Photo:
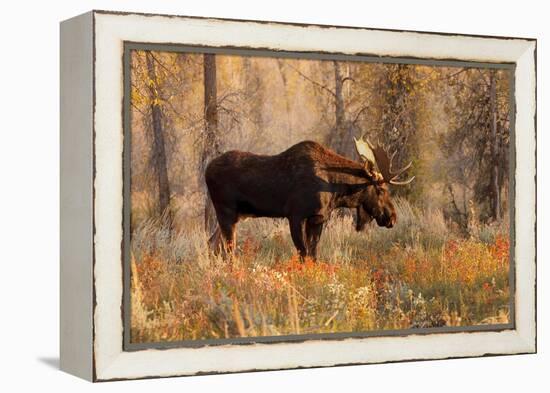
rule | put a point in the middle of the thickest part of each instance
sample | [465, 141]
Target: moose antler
[364, 150]
[377, 155]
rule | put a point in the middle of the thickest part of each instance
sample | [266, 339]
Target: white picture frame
[92, 141]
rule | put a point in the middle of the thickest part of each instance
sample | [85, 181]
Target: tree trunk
[211, 143]
[495, 189]
[339, 110]
[159, 149]
[280, 64]
[254, 93]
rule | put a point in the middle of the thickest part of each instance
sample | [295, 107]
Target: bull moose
[303, 184]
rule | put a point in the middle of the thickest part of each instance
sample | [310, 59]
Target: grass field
[418, 274]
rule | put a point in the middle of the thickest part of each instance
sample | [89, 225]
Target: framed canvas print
[245, 195]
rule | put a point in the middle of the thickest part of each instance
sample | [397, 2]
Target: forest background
[446, 263]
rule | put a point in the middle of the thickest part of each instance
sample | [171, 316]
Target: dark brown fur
[303, 184]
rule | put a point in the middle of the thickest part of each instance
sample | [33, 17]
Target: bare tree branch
[333, 94]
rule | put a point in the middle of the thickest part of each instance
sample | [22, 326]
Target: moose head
[377, 203]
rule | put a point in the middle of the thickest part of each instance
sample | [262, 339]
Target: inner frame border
[129, 46]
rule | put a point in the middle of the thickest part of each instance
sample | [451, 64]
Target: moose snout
[391, 219]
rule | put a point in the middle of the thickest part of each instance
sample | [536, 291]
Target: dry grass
[417, 274]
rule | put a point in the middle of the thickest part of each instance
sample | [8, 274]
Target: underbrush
[417, 274]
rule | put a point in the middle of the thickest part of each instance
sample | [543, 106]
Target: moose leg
[314, 228]
[297, 233]
[227, 219]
